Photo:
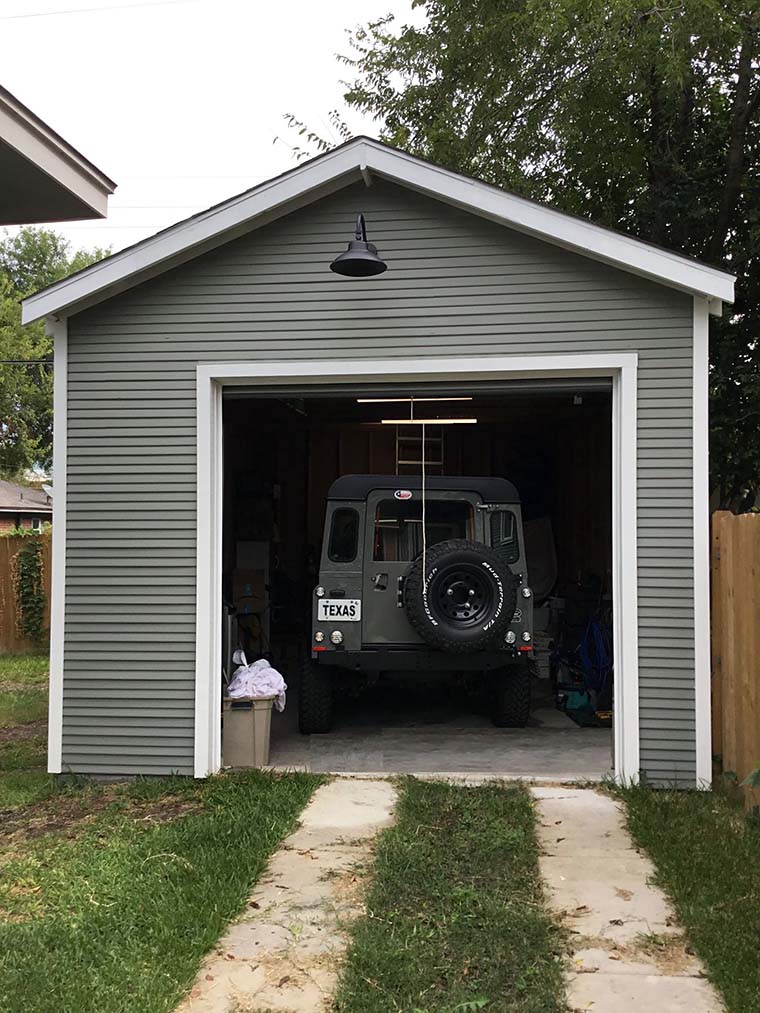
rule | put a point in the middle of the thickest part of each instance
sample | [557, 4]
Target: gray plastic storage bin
[245, 732]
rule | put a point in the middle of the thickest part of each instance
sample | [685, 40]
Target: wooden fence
[736, 646]
[11, 639]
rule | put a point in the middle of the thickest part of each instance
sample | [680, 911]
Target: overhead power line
[94, 10]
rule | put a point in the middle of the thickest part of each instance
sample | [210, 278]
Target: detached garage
[214, 381]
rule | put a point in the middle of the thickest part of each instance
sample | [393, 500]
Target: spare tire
[467, 601]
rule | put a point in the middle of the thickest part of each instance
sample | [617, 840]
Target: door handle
[380, 580]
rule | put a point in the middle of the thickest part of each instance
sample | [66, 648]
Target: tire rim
[463, 596]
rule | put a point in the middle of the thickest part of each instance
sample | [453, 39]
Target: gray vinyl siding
[457, 285]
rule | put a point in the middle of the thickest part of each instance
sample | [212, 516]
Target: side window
[504, 535]
[344, 536]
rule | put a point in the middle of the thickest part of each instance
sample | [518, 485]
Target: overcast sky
[179, 101]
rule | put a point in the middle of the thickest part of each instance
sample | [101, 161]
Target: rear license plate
[342, 610]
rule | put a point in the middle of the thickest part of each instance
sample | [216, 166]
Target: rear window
[504, 535]
[398, 526]
[344, 536]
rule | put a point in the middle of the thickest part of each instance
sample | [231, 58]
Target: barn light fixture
[360, 259]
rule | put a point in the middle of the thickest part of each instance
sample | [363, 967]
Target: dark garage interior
[282, 451]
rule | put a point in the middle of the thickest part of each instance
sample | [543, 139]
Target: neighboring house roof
[42, 178]
[22, 499]
[363, 158]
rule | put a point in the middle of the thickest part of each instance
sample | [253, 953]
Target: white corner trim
[625, 627]
[701, 487]
[208, 756]
[211, 378]
[58, 330]
[362, 158]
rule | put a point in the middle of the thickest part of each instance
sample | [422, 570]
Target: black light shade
[360, 259]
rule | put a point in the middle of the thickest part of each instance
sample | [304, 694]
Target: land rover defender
[388, 601]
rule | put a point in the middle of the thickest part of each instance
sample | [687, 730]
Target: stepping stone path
[284, 952]
[629, 953]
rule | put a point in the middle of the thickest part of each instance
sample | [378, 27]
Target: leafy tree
[30, 260]
[638, 114]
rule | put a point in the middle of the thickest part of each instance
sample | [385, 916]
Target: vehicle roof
[492, 490]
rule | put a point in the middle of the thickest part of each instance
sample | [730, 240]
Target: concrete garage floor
[432, 730]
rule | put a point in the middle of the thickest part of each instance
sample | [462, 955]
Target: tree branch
[745, 104]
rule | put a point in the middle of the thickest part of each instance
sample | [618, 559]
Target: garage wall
[456, 285]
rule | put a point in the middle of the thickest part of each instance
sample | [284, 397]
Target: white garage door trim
[212, 377]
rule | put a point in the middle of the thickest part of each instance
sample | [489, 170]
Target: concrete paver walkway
[629, 953]
[283, 953]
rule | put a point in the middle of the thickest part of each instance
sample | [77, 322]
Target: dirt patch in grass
[14, 687]
[67, 814]
[23, 707]
[53, 815]
[22, 733]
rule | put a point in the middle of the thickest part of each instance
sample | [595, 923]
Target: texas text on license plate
[346, 610]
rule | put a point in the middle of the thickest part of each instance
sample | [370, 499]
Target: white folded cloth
[256, 682]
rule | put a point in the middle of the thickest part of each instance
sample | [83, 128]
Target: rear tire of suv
[466, 600]
[510, 702]
[315, 700]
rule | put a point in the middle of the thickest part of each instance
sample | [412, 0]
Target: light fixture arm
[361, 228]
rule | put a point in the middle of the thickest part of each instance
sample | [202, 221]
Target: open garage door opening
[539, 516]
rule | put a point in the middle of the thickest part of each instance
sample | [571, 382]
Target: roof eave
[40, 146]
[330, 172]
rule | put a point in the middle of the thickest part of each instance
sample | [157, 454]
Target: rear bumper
[419, 660]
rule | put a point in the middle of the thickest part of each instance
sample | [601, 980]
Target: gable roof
[22, 499]
[363, 158]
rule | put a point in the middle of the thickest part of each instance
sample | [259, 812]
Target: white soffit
[331, 172]
[78, 190]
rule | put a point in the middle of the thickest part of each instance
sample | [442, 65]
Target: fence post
[736, 646]
[716, 643]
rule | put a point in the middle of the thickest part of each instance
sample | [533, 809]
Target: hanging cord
[425, 535]
[424, 517]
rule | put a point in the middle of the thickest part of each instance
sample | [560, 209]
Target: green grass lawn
[23, 713]
[29, 669]
[707, 855]
[22, 706]
[110, 895]
[455, 912]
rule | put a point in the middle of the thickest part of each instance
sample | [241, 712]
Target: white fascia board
[556, 227]
[24, 508]
[356, 160]
[189, 239]
[41, 146]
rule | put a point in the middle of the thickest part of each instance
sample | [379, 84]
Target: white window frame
[621, 368]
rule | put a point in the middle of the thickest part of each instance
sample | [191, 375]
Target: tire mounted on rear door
[468, 598]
